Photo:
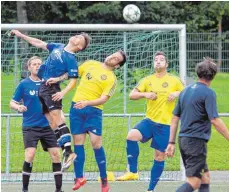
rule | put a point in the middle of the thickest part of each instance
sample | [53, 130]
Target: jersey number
[88, 76]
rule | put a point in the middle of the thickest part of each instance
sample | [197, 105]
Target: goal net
[120, 114]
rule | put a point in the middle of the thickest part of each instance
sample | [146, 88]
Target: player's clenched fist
[15, 32]
[151, 95]
[22, 108]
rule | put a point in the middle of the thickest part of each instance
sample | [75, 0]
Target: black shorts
[31, 136]
[194, 154]
[45, 95]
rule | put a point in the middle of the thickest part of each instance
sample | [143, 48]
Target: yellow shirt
[95, 82]
[160, 110]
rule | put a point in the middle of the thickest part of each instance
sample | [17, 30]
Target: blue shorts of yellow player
[159, 133]
[88, 119]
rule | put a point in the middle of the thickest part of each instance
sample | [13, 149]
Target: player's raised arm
[33, 41]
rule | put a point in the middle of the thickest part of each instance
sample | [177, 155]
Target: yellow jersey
[160, 110]
[95, 82]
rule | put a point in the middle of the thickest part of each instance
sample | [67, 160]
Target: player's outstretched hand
[22, 108]
[15, 32]
[57, 96]
[80, 104]
[170, 150]
[52, 81]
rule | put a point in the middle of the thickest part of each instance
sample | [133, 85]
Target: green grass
[114, 134]
[115, 104]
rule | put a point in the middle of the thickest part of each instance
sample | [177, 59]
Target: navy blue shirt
[27, 91]
[196, 108]
[58, 62]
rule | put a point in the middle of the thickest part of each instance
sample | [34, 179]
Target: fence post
[125, 75]
[7, 144]
[129, 122]
[15, 59]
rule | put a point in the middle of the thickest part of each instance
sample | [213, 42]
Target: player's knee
[55, 156]
[134, 135]
[53, 125]
[96, 144]
[195, 182]
[29, 156]
[159, 156]
[205, 178]
[57, 116]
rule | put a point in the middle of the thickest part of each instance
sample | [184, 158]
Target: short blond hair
[32, 58]
[87, 39]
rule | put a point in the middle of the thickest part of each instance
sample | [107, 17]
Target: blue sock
[132, 151]
[101, 162]
[79, 161]
[156, 172]
[186, 187]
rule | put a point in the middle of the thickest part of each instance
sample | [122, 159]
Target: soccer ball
[131, 13]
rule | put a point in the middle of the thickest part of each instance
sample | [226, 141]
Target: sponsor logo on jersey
[32, 92]
[103, 77]
[165, 84]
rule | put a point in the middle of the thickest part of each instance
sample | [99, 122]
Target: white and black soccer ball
[131, 13]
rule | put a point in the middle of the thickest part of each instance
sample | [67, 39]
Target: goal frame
[181, 28]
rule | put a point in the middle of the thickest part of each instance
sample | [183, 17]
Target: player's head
[160, 62]
[80, 41]
[34, 64]
[207, 69]
[116, 60]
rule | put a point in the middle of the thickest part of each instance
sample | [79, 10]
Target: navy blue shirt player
[196, 107]
[197, 110]
[35, 125]
[60, 62]
[27, 91]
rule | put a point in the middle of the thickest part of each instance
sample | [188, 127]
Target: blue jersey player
[35, 125]
[197, 110]
[61, 60]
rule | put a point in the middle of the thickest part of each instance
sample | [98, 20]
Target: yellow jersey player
[97, 85]
[160, 90]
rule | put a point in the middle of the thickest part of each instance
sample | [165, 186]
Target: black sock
[56, 167]
[186, 187]
[204, 188]
[27, 169]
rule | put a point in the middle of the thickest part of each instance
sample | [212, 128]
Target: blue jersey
[58, 62]
[27, 91]
[196, 108]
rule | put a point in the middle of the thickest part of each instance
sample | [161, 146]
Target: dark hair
[206, 69]
[160, 53]
[87, 40]
[123, 56]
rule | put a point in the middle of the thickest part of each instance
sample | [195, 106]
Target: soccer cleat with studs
[68, 160]
[79, 182]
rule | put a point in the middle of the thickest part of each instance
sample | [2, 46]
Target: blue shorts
[159, 133]
[85, 120]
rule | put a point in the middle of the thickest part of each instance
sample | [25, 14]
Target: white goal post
[124, 29]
